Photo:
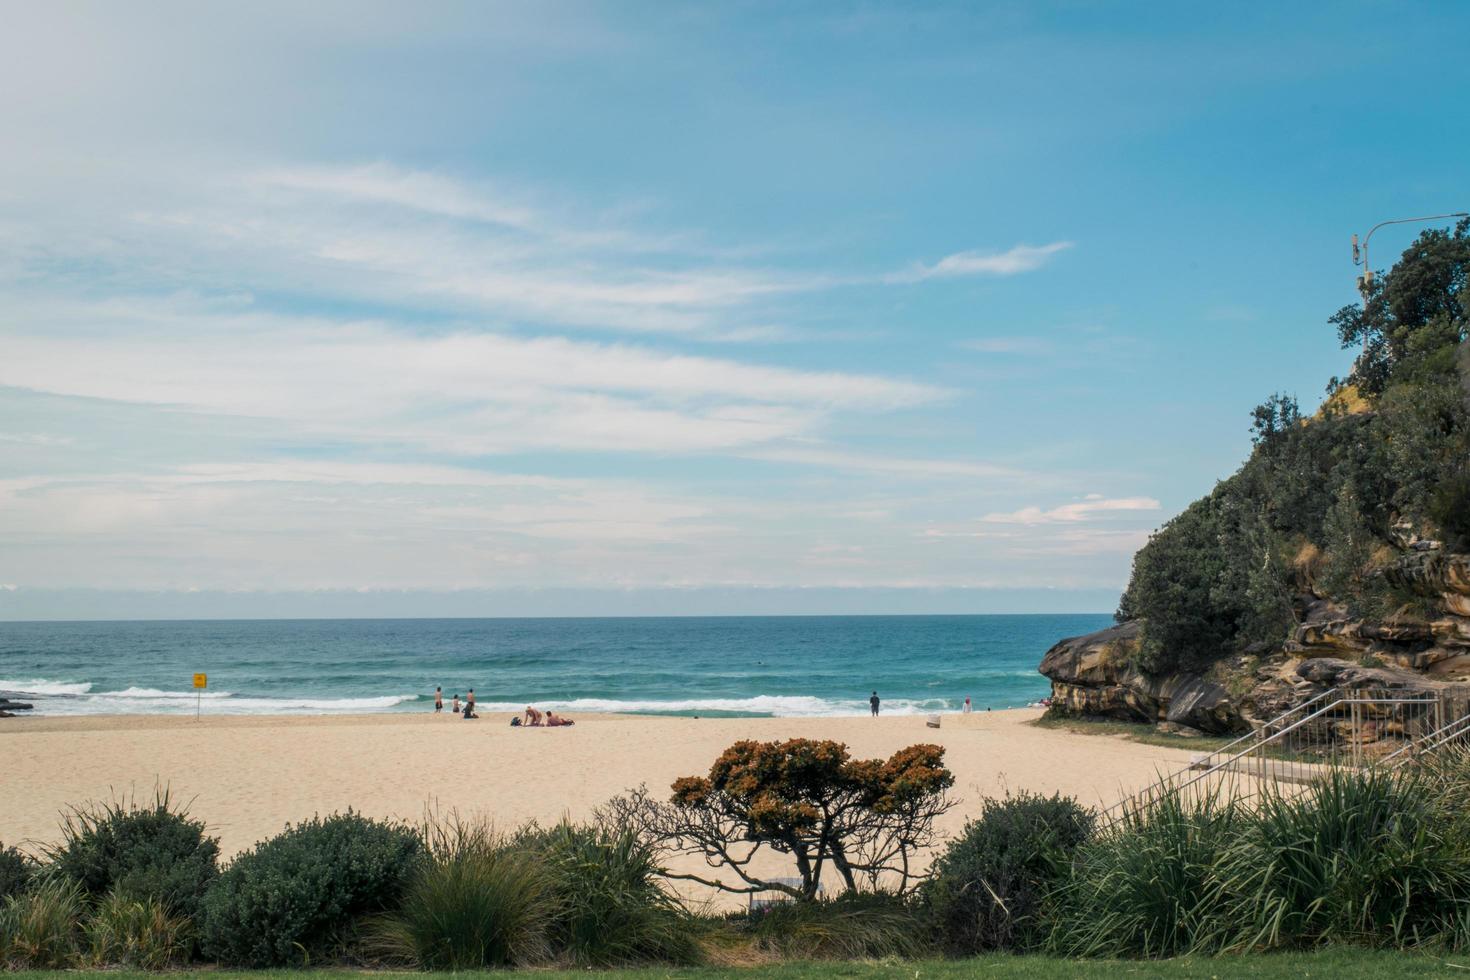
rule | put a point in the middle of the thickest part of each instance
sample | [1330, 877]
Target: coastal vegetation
[1363, 858]
[1338, 555]
[1328, 504]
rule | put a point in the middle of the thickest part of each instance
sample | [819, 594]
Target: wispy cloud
[1082, 510]
[1013, 261]
[1008, 345]
[460, 392]
[920, 468]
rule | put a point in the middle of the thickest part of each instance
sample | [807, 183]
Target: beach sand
[248, 776]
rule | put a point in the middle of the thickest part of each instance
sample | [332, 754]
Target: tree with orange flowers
[863, 818]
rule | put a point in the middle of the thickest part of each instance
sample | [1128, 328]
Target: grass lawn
[1340, 964]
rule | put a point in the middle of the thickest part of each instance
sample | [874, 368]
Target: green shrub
[476, 902]
[610, 908]
[299, 893]
[988, 886]
[16, 871]
[132, 932]
[38, 930]
[146, 851]
[855, 925]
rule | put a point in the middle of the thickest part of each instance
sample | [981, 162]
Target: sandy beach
[248, 776]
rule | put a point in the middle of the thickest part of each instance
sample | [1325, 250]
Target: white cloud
[1008, 345]
[1013, 261]
[35, 439]
[901, 466]
[459, 392]
[1089, 507]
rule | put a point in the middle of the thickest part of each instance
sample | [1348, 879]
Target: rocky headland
[1097, 674]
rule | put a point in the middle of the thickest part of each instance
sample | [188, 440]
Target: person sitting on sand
[469, 710]
[533, 717]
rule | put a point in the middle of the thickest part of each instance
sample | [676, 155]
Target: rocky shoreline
[1093, 675]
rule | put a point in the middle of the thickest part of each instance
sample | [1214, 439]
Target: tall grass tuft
[133, 932]
[860, 925]
[39, 929]
[1360, 856]
[475, 902]
[1367, 856]
[1149, 885]
[609, 907]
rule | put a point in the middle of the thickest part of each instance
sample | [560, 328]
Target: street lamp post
[1365, 281]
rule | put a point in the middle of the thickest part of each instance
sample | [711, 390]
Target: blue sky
[559, 308]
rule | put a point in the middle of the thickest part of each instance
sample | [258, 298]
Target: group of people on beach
[536, 719]
[531, 719]
[468, 711]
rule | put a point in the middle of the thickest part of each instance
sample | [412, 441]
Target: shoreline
[102, 722]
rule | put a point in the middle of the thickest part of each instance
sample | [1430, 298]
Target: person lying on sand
[533, 717]
[553, 720]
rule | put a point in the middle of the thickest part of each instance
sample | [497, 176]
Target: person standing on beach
[438, 700]
[471, 699]
[873, 703]
[455, 706]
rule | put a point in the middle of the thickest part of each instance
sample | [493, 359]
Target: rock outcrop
[8, 708]
[1094, 675]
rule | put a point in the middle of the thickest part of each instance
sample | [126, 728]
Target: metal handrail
[1254, 735]
[1105, 820]
[1433, 740]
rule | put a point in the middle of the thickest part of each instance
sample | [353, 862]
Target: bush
[475, 902]
[125, 931]
[38, 930]
[298, 894]
[150, 851]
[610, 909]
[987, 887]
[855, 925]
[16, 871]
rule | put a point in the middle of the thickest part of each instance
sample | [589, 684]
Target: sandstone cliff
[1095, 674]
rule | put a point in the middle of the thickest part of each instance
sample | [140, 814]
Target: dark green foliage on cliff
[1320, 501]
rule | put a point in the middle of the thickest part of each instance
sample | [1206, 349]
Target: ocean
[727, 666]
